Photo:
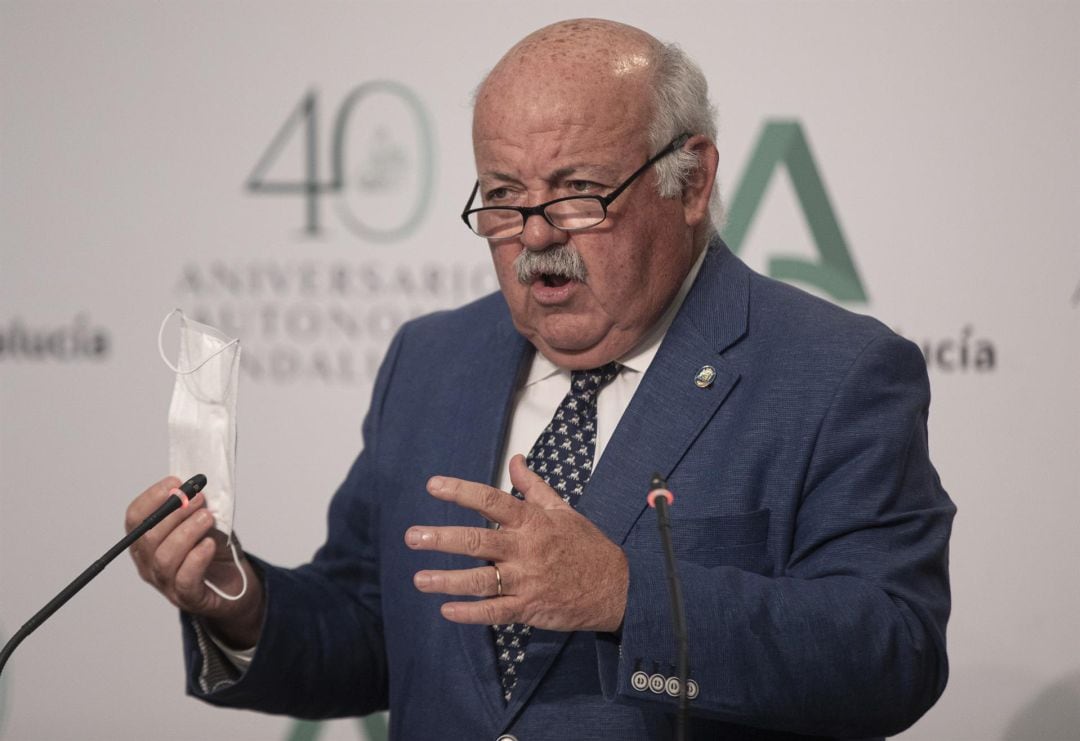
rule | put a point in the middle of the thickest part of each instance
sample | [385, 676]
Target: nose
[539, 234]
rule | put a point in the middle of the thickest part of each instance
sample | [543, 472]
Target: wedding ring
[498, 581]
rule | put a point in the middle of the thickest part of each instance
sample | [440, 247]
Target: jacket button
[507, 737]
[656, 684]
[691, 689]
[639, 681]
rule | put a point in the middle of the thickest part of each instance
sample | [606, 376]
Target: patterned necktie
[563, 457]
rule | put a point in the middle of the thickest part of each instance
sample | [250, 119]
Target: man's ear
[699, 185]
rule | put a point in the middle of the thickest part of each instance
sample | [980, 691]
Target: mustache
[561, 261]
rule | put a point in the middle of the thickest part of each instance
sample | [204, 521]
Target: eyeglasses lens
[572, 214]
[575, 213]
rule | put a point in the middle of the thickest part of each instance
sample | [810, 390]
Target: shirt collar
[641, 356]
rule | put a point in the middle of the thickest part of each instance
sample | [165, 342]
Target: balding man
[491, 567]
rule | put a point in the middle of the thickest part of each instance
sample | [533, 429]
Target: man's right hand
[183, 550]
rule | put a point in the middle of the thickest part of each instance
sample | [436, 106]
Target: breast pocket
[737, 540]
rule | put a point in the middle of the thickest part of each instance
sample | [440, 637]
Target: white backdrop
[946, 137]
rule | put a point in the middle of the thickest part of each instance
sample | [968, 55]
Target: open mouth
[554, 281]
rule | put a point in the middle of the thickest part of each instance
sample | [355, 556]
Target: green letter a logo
[782, 142]
[372, 728]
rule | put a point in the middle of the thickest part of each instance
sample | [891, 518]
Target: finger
[483, 581]
[484, 543]
[144, 505]
[532, 487]
[191, 592]
[494, 504]
[171, 552]
[144, 547]
[142, 550]
[222, 551]
[499, 611]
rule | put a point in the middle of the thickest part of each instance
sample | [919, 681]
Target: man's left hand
[558, 571]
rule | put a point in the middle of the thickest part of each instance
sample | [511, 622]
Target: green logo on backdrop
[372, 155]
[372, 728]
[783, 143]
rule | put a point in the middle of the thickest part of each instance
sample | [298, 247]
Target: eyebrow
[497, 176]
[560, 174]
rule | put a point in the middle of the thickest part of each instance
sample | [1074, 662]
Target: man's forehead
[572, 95]
[570, 107]
[567, 82]
[584, 147]
[575, 63]
[596, 139]
[534, 120]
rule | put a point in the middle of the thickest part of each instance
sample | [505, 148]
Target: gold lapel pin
[705, 377]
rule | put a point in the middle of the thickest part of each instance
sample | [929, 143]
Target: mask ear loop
[232, 545]
[165, 359]
[243, 576]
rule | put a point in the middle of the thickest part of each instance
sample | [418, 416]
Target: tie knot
[587, 383]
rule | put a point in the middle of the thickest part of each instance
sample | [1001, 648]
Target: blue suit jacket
[810, 527]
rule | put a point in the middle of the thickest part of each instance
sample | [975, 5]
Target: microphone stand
[661, 499]
[189, 488]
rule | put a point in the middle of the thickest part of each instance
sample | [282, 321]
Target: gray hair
[681, 105]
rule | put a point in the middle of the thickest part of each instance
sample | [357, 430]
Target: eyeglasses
[569, 214]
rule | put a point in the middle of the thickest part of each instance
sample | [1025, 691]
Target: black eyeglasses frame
[541, 208]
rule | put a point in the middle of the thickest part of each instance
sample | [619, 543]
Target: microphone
[178, 498]
[660, 498]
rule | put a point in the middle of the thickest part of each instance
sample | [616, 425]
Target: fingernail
[413, 536]
[205, 518]
[422, 580]
[435, 483]
[448, 611]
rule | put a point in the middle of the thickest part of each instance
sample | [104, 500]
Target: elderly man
[475, 592]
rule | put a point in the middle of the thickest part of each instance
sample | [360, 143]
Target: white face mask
[202, 418]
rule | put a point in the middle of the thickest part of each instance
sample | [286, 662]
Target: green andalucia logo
[371, 727]
[782, 143]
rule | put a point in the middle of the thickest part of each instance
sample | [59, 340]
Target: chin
[572, 355]
[566, 335]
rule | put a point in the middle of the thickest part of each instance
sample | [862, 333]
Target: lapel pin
[705, 377]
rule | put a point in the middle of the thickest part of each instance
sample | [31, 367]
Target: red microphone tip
[665, 493]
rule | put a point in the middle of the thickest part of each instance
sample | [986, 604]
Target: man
[810, 528]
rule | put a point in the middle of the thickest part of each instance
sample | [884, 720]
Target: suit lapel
[669, 409]
[483, 414]
[664, 417]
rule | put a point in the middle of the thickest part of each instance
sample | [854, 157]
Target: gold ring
[498, 581]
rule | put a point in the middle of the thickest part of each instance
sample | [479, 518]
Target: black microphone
[179, 498]
[660, 498]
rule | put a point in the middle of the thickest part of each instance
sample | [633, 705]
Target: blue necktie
[563, 457]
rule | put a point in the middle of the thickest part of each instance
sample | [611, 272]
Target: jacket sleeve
[320, 612]
[847, 638]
